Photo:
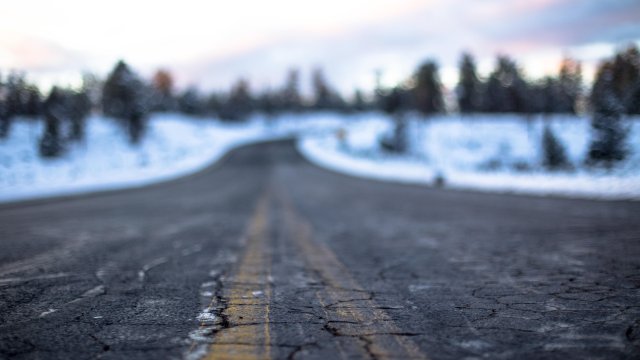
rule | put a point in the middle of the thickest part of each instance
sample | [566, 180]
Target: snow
[499, 153]
[485, 152]
[175, 145]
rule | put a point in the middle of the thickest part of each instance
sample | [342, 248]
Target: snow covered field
[486, 152]
[175, 145]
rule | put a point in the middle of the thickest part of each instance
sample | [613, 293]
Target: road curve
[265, 256]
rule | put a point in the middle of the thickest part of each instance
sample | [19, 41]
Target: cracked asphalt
[264, 256]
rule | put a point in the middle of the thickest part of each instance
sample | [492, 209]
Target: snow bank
[492, 153]
[485, 152]
[175, 145]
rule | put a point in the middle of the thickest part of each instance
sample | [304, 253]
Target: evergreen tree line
[128, 99]
[506, 90]
[241, 101]
[615, 93]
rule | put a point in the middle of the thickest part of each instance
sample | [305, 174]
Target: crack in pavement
[369, 323]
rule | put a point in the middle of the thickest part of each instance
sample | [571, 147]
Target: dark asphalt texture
[453, 274]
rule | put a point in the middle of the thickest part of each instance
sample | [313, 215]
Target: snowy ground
[486, 152]
[175, 145]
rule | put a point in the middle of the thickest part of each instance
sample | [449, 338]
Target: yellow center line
[343, 354]
[348, 308]
[248, 336]
[359, 316]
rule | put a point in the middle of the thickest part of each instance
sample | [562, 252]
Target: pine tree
[239, 103]
[428, 89]
[506, 90]
[537, 97]
[124, 98]
[190, 102]
[358, 103]
[4, 112]
[162, 84]
[12, 102]
[79, 107]
[494, 96]
[323, 97]
[551, 95]
[554, 155]
[5, 121]
[569, 86]
[215, 104]
[394, 106]
[625, 73]
[92, 86]
[290, 98]
[17, 98]
[15, 94]
[267, 103]
[608, 130]
[468, 89]
[633, 106]
[51, 145]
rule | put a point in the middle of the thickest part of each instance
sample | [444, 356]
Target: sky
[210, 44]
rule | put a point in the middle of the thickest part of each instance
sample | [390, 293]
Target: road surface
[265, 256]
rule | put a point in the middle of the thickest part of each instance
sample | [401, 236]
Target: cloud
[568, 23]
[23, 52]
[212, 44]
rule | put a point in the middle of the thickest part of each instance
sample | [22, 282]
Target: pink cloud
[34, 54]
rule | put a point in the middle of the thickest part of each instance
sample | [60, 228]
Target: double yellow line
[347, 305]
[348, 308]
[248, 336]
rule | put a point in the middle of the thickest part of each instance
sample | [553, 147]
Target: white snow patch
[93, 292]
[208, 284]
[45, 313]
[475, 344]
[500, 153]
[199, 352]
[419, 287]
[206, 317]
[146, 267]
[11, 280]
[175, 145]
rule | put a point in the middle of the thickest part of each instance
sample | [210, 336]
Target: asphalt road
[265, 256]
